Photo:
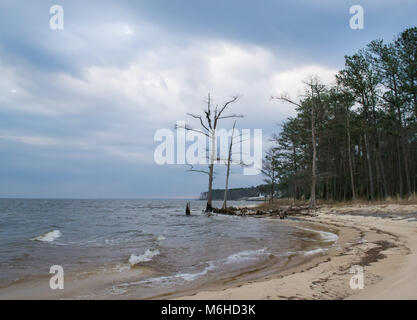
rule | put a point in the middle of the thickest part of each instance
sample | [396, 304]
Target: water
[167, 250]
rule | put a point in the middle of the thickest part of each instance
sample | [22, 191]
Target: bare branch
[208, 112]
[286, 98]
[234, 99]
[196, 170]
[232, 116]
[191, 129]
[201, 120]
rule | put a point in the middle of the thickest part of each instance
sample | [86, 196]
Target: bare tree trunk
[313, 175]
[370, 174]
[295, 170]
[229, 160]
[407, 173]
[403, 143]
[352, 181]
[209, 207]
[405, 158]
[227, 186]
[400, 175]
[380, 170]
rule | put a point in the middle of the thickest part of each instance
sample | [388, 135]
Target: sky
[79, 107]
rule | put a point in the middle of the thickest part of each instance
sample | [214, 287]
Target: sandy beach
[380, 238]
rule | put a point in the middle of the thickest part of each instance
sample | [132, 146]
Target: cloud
[158, 87]
[291, 81]
[164, 83]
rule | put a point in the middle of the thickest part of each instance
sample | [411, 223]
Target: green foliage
[365, 129]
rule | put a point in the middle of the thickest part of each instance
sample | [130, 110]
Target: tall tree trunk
[403, 139]
[229, 160]
[213, 151]
[405, 158]
[313, 166]
[400, 174]
[382, 172]
[407, 172]
[370, 174]
[226, 187]
[352, 181]
[295, 170]
[209, 206]
[378, 160]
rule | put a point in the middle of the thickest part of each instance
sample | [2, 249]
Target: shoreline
[380, 238]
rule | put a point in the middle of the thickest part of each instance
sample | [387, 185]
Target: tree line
[356, 138]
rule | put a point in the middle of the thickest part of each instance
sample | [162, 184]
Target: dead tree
[229, 162]
[209, 124]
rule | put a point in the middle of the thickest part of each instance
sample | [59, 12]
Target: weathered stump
[187, 209]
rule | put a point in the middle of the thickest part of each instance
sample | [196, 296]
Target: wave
[329, 236]
[246, 255]
[193, 276]
[48, 236]
[172, 279]
[146, 257]
[321, 251]
[160, 238]
[127, 236]
[324, 235]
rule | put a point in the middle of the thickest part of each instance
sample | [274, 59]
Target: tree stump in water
[187, 209]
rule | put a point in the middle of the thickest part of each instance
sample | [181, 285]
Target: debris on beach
[282, 212]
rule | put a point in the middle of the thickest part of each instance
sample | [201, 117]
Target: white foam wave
[321, 251]
[48, 236]
[173, 279]
[147, 256]
[160, 238]
[329, 236]
[247, 255]
[193, 276]
[325, 236]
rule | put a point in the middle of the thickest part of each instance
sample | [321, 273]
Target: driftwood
[187, 209]
[282, 213]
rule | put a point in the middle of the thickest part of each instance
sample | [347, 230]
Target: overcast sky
[79, 107]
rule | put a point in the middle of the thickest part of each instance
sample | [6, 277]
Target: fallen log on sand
[282, 212]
